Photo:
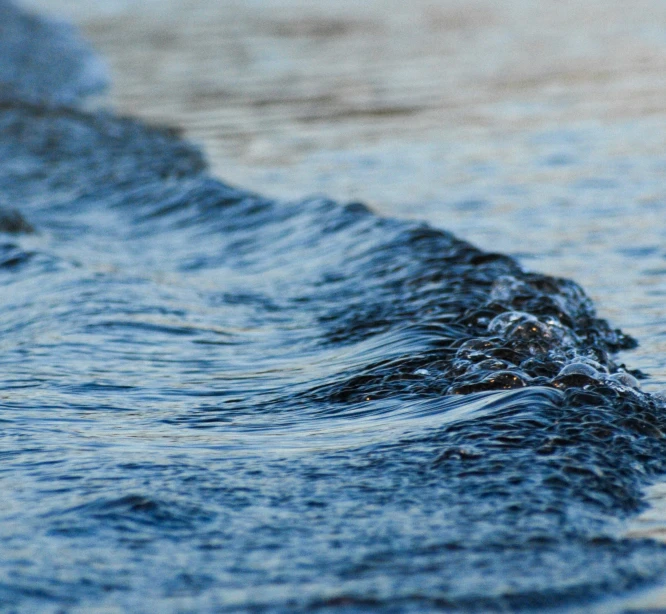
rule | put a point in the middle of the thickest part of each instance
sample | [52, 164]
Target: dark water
[214, 402]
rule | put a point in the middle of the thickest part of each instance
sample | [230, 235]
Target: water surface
[216, 401]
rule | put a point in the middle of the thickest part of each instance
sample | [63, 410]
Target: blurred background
[270, 85]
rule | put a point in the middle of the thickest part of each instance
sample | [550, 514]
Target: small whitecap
[422, 372]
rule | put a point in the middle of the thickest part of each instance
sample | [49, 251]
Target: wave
[295, 405]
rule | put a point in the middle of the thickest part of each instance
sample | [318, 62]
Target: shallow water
[216, 401]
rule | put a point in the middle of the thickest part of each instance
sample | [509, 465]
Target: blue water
[213, 401]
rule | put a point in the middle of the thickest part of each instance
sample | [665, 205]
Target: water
[583, 201]
[214, 401]
[56, 66]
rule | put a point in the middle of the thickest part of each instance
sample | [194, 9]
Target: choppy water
[212, 401]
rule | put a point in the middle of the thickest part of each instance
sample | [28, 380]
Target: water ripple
[215, 401]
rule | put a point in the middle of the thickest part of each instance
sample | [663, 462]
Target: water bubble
[493, 364]
[577, 375]
[506, 288]
[476, 349]
[460, 367]
[505, 380]
[588, 360]
[579, 368]
[502, 323]
[625, 379]
[536, 336]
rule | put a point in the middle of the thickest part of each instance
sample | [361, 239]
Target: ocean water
[215, 401]
[583, 201]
